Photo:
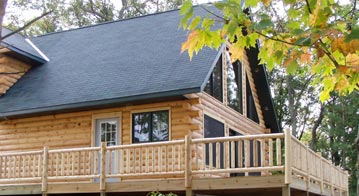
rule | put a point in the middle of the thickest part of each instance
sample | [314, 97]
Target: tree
[67, 14]
[338, 132]
[319, 34]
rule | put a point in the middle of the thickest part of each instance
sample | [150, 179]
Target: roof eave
[94, 104]
[23, 53]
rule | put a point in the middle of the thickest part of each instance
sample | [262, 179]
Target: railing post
[288, 165]
[103, 168]
[44, 171]
[307, 166]
[321, 172]
[188, 165]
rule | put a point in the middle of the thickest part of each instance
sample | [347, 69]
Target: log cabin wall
[12, 70]
[70, 130]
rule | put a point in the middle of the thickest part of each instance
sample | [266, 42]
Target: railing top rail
[73, 150]
[236, 138]
[165, 143]
[317, 155]
[21, 153]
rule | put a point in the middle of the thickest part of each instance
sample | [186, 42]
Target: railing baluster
[279, 151]
[180, 157]
[233, 158]
[109, 161]
[173, 157]
[134, 160]
[240, 153]
[204, 156]
[270, 146]
[218, 155]
[210, 155]
[153, 159]
[263, 147]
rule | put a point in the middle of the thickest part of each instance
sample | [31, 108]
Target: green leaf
[186, 7]
[207, 23]
[303, 41]
[251, 3]
[354, 34]
[194, 23]
[231, 28]
[292, 67]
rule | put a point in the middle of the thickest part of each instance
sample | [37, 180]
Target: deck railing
[260, 155]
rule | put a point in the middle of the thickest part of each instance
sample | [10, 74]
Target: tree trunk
[356, 144]
[313, 142]
[2, 14]
[291, 106]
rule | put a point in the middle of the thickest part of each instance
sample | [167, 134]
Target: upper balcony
[267, 162]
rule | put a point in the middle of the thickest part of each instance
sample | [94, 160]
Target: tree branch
[309, 10]
[26, 25]
[216, 15]
[280, 40]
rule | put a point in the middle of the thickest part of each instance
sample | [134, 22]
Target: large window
[150, 126]
[215, 84]
[213, 128]
[234, 85]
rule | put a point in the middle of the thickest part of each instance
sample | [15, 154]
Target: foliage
[67, 14]
[156, 193]
[338, 131]
[319, 34]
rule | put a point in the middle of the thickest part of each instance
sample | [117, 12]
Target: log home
[116, 109]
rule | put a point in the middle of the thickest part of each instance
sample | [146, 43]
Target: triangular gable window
[215, 82]
[234, 86]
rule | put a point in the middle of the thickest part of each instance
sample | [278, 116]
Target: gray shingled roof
[120, 61]
[18, 44]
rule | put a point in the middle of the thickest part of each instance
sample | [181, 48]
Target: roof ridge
[109, 22]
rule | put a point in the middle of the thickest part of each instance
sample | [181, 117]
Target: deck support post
[103, 169]
[189, 192]
[188, 165]
[288, 164]
[286, 191]
[44, 171]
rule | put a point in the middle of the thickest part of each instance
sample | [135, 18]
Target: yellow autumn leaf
[236, 52]
[267, 2]
[352, 60]
[190, 43]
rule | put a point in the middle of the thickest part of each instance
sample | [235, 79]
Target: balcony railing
[257, 155]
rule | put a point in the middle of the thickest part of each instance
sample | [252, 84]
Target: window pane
[251, 108]
[213, 128]
[108, 131]
[141, 127]
[234, 85]
[217, 81]
[214, 84]
[160, 126]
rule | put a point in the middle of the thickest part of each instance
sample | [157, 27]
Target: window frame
[168, 109]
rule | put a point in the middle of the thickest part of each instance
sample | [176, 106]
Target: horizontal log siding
[70, 130]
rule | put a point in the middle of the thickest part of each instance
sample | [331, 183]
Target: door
[107, 130]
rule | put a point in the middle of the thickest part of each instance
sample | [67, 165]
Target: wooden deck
[240, 164]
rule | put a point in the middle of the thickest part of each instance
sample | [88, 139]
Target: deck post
[44, 171]
[286, 191]
[188, 165]
[103, 168]
[288, 149]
